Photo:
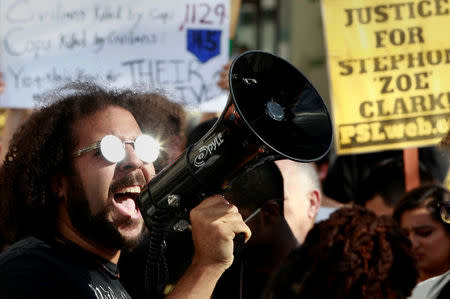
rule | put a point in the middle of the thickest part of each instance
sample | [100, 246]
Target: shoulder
[30, 267]
[432, 287]
[26, 249]
[29, 257]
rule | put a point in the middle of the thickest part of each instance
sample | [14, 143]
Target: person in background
[437, 287]
[419, 215]
[69, 186]
[347, 171]
[327, 205]
[302, 196]
[223, 76]
[384, 185]
[353, 254]
[259, 196]
[279, 201]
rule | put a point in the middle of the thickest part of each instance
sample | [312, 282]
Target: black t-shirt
[32, 268]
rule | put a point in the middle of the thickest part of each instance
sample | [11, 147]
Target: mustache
[131, 179]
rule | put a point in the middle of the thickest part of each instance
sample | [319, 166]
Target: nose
[131, 160]
[414, 240]
[149, 171]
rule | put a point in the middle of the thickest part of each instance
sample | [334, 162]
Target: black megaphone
[273, 112]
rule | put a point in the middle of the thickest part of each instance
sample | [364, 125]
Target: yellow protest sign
[389, 70]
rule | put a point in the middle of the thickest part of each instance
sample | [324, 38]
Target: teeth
[131, 189]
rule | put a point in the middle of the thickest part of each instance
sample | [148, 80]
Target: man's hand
[223, 76]
[215, 223]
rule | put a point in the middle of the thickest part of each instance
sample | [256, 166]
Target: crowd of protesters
[69, 221]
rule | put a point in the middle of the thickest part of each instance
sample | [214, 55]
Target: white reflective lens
[147, 148]
[112, 148]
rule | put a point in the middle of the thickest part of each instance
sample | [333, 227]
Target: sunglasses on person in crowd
[113, 150]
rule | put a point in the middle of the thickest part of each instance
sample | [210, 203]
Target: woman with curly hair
[353, 254]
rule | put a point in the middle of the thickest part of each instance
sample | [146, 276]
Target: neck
[329, 202]
[68, 232]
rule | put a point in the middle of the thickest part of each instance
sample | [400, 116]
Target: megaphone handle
[238, 241]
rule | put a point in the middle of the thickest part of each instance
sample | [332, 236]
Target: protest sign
[179, 46]
[389, 70]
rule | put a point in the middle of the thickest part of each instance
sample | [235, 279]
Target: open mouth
[125, 201]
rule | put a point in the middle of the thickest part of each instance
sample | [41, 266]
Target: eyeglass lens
[113, 149]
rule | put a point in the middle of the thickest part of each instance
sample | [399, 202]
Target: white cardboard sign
[176, 45]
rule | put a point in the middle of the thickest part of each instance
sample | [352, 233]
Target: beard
[96, 226]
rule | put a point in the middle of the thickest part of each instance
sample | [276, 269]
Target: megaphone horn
[273, 112]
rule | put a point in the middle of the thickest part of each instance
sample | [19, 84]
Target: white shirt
[430, 288]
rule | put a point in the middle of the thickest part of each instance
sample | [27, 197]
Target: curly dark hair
[162, 119]
[426, 196]
[41, 149]
[353, 254]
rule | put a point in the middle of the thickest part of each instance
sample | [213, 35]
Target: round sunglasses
[113, 150]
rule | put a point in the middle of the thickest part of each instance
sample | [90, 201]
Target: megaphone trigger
[238, 243]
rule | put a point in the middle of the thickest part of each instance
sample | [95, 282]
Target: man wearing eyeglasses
[69, 186]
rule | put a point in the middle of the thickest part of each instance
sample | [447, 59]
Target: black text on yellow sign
[389, 64]
[393, 131]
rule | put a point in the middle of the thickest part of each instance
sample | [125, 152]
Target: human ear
[315, 198]
[58, 185]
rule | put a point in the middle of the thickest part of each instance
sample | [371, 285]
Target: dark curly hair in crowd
[41, 149]
[353, 254]
[426, 196]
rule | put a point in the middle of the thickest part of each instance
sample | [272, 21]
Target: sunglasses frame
[97, 145]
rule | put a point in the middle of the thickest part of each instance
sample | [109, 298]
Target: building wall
[307, 44]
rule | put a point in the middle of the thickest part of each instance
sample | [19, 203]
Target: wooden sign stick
[411, 168]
